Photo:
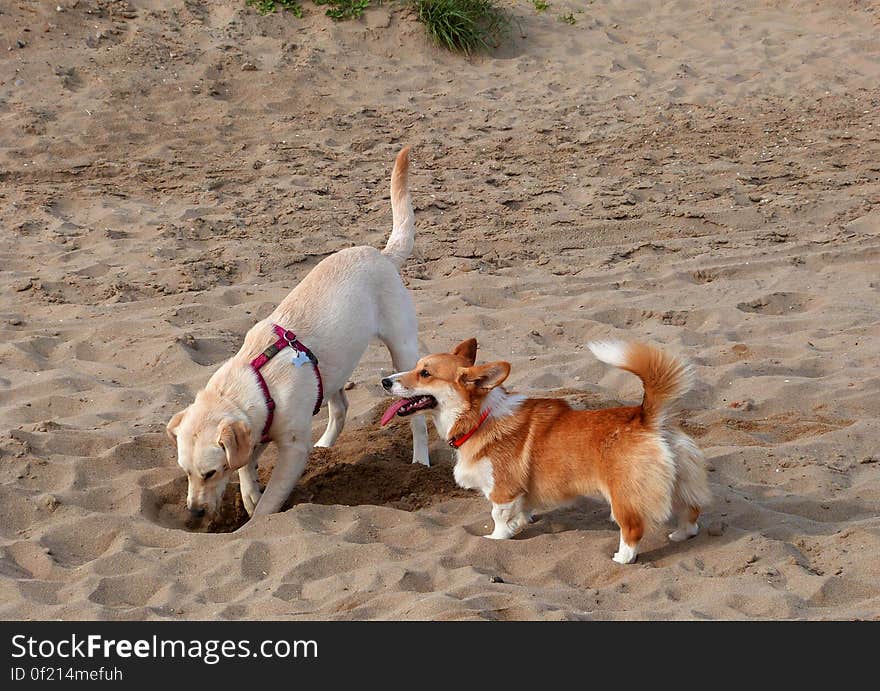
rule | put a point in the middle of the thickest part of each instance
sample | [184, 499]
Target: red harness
[285, 338]
[456, 442]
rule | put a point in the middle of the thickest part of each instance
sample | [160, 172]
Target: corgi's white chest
[474, 474]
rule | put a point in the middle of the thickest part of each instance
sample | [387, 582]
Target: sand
[704, 177]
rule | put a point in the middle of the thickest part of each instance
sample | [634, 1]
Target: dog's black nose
[386, 384]
[198, 513]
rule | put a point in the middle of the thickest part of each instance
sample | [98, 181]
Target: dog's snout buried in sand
[302, 353]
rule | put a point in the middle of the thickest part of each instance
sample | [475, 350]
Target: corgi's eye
[424, 373]
[208, 475]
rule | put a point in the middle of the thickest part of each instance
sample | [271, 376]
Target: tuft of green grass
[463, 25]
[269, 6]
[541, 5]
[568, 18]
[344, 9]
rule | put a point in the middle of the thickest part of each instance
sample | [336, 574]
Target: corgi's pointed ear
[484, 376]
[235, 438]
[174, 423]
[467, 350]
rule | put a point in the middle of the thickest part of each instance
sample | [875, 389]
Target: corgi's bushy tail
[665, 377]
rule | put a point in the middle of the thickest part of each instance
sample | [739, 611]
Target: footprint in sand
[778, 304]
[256, 562]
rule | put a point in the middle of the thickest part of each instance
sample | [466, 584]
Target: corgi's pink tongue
[392, 410]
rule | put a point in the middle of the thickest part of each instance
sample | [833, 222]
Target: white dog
[310, 344]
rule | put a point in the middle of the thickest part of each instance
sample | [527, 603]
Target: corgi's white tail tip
[609, 352]
[665, 377]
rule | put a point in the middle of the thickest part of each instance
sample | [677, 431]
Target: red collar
[285, 338]
[456, 442]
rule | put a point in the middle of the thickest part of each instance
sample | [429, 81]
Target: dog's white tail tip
[609, 352]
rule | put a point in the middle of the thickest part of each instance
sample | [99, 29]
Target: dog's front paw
[626, 555]
[502, 532]
[250, 500]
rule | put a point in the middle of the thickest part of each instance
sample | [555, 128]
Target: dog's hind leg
[337, 405]
[419, 428]
[404, 355]
[691, 491]
[687, 522]
[632, 527]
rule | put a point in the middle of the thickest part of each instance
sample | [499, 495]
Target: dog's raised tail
[665, 377]
[403, 231]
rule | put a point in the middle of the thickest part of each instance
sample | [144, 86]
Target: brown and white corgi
[529, 453]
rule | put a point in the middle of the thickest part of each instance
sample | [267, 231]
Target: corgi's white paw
[684, 533]
[625, 554]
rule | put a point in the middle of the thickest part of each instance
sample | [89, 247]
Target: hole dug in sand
[366, 466]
